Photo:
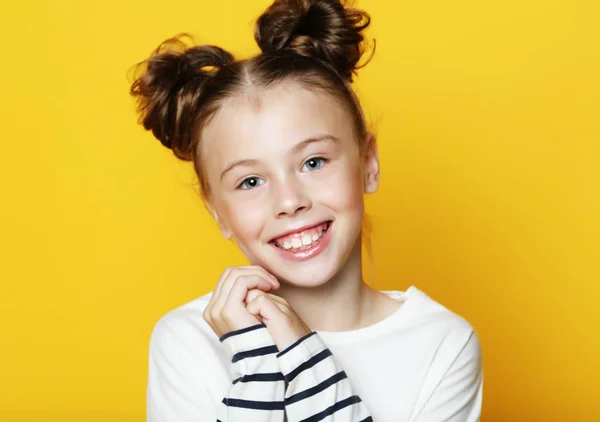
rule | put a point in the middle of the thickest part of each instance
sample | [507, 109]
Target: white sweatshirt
[420, 364]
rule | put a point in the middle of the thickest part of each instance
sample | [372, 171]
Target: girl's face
[287, 181]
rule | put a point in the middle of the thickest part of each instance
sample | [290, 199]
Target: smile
[303, 244]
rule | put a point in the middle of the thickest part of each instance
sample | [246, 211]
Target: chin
[310, 273]
[308, 276]
[312, 266]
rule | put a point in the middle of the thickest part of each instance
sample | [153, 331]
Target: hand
[226, 310]
[284, 324]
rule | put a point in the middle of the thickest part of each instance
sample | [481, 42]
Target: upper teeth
[305, 238]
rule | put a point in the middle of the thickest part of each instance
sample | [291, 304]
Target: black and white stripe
[258, 390]
[318, 389]
[303, 383]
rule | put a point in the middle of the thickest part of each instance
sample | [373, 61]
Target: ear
[371, 164]
[223, 228]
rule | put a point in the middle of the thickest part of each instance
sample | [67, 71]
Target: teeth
[306, 239]
[295, 242]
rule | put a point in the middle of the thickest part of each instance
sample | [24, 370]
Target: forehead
[270, 122]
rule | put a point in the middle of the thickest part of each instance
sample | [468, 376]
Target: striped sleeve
[316, 386]
[258, 387]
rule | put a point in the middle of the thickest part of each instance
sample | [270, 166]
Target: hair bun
[169, 89]
[322, 29]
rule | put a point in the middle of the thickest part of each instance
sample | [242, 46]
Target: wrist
[248, 338]
[308, 347]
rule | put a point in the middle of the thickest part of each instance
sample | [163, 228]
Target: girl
[283, 156]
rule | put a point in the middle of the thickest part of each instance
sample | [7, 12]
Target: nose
[291, 198]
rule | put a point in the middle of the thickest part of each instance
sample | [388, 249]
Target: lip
[311, 252]
[299, 229]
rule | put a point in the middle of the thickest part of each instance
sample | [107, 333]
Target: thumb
[264, 306]
[253, 294]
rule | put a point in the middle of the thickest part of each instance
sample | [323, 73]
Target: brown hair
[317, 43]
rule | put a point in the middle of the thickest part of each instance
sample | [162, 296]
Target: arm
[317, 386]
[458, 396]
[179, 375]
[181, 383]
[258, 386]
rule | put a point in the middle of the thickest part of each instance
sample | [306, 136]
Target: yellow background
[488, 119]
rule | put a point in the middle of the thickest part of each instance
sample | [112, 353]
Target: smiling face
[287, 180]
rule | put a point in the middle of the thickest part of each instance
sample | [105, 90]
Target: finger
[215, 294]
[229, 282]
[221, 291]
[266, 273]
[264, 306]
[223, 277]
[253, 270]
[238, 292]
[278, 299]
[217, 289]
[252, 294]
[280, 302]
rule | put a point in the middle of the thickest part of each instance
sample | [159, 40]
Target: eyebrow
[300, 146]
[297, 148]
[247, 162]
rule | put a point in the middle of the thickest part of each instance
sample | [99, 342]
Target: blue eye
[314, 163]
[250, 183]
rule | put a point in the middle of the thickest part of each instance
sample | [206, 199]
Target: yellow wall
[489, 126]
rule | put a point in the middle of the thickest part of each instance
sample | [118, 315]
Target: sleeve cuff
[249, 338]
[302, 352]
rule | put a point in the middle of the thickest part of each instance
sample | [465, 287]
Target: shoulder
[183, 328]
[454, 380]
[426, 311]
[439, 328]
[187, 366]
[456, 341]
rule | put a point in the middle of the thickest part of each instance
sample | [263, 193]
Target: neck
[321, 308]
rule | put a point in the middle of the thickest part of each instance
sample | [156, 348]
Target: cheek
[246, 221]
[344, 191]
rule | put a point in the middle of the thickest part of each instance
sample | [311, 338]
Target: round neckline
[385, 325]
